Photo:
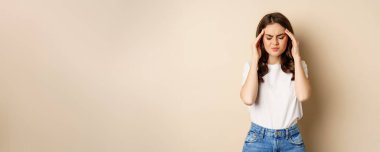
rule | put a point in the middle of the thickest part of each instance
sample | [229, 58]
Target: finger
[254, 40]
[261, 33]
[290, 34]
[260, 36]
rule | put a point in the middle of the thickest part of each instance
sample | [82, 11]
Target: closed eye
[281, 37]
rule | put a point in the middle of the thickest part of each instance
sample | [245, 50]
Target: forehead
[274, 29]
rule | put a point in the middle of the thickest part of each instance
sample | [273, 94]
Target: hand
[295, 49]
[256, 50]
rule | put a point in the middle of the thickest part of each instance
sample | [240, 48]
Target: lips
[275, 49]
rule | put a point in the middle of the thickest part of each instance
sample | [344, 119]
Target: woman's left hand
[295, 49]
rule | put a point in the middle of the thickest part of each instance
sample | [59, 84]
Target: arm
[248, 92]
[302, 83]
[302, 86]
[249, 89]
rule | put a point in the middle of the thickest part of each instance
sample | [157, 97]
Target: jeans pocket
[251, 137]
[296, 139]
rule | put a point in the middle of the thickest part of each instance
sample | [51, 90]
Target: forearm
[302, 83]
[248, 92]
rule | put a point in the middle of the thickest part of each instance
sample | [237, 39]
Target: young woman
[275, 82]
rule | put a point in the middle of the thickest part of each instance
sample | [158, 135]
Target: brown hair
[287, 61]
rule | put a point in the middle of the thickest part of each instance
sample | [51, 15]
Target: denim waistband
[277, 133]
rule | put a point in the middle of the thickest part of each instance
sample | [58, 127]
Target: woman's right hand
[256, 50]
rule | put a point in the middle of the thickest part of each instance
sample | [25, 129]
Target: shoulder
[304, 66]
[247, 63]
[303, 63]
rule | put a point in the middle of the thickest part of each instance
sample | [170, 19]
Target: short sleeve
[245, 72]
[304, 66]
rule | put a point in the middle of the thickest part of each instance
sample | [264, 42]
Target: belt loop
[287, 133]
[262, 132]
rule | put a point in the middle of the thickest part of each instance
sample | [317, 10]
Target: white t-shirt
[276, 106]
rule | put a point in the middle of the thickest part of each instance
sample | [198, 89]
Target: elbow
[246, 100]
[248, 97]
[304, 97]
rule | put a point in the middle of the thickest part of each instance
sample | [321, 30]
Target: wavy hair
[287, 61]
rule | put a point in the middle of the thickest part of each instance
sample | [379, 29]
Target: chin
[275, 54]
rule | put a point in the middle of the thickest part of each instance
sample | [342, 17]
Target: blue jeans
[260, 139]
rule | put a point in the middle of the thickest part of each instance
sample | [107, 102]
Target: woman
[275, 82]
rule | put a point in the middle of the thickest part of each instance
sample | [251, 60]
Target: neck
[274, 60]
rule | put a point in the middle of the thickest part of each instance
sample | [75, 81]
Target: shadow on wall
[313, 113]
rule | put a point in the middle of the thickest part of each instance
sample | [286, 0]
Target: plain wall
[97, 76]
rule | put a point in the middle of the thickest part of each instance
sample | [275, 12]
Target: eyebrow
[277, 35]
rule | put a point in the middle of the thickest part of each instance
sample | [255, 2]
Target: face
[275, 39]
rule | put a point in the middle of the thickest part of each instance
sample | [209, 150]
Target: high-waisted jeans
[260, 139]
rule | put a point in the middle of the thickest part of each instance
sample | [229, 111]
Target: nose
[274, 41]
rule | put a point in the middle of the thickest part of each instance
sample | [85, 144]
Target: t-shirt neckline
[277, 65]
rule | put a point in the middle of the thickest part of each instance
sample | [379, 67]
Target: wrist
[254, 61]
[297, 59]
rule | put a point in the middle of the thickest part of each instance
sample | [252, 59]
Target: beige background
[117, 76]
